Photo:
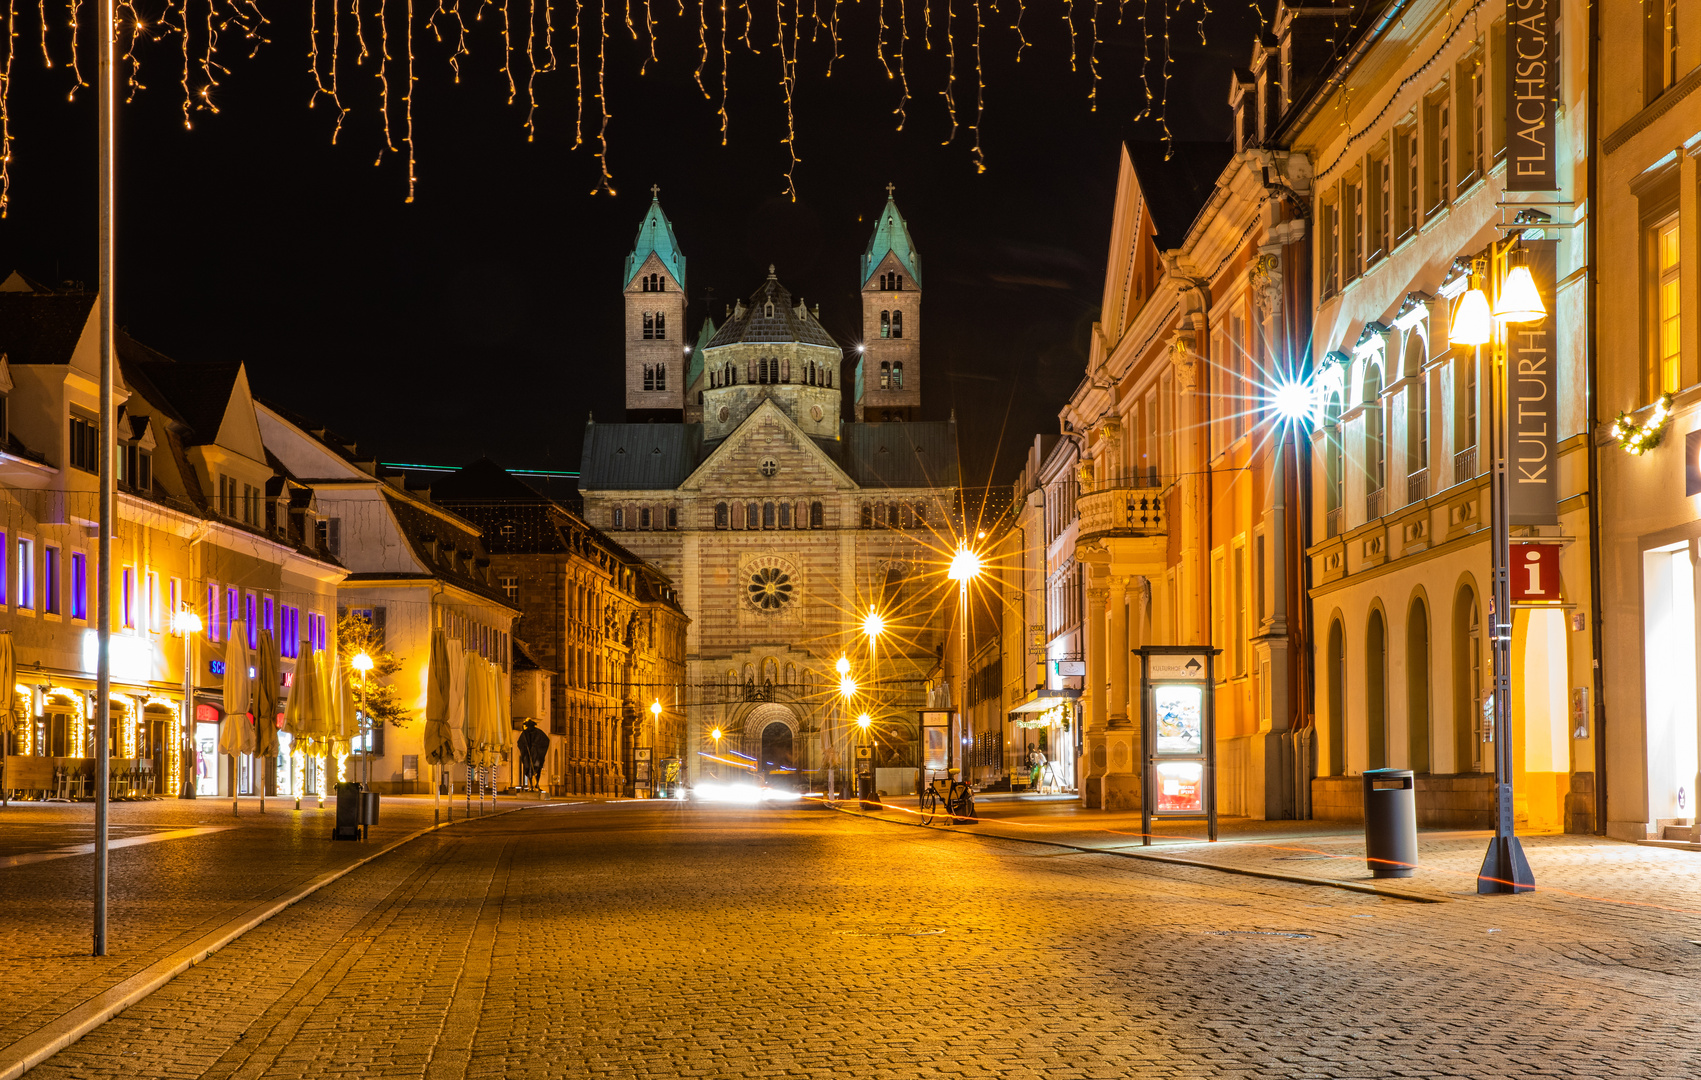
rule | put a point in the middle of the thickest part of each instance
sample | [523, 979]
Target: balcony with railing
[1332, 522]
[1465, 465]
[1121, 506]
[1417, 486]
[1373, 503]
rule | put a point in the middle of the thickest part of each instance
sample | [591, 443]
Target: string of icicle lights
[376, 40]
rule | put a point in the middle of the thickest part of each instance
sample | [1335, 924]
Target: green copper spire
[890, 234]
[655, 234]
[694, 367]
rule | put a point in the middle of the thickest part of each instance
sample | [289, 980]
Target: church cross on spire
[655, 192]
[889, 189]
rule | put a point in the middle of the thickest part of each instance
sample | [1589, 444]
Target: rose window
[770, 588]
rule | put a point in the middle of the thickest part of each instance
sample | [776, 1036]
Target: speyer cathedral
[781, 523]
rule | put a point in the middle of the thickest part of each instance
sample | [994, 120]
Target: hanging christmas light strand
[6, 97]
[903, 75]
[76, 63]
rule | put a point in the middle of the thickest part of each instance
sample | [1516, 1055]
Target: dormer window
[768, 309]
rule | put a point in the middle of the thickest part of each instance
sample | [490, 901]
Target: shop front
[1041, 743]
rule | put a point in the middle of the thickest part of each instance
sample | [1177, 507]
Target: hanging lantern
[1519, 300]
[1470, 324]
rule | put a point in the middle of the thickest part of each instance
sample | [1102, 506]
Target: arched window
[897, 324]
[1417, 688]
[921, 513]
[785, 515]
[644, 518]
[1337, 699]
[1376, 691]
[619, 518]
[885, 324]
[867, 516]
[816, 516]
[1375, 434]
[649, 325]
[768, 309]
[1468, 683]
[753, 516]
[673, 517]
[885, 375]
[898, 375]
[791, 674]
[897, 282]
[661, 375]
[809, 374]
[661, 326]
[892, 515]
[785, 370]
[767, 515]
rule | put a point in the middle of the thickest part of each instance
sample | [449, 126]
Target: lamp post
[362, 663]
[188, 624]
[965, 567]
[655, 737]
[1504, 867]
[873, 625]
[716, 735]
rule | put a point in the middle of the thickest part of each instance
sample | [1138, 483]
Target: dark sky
[484, 317]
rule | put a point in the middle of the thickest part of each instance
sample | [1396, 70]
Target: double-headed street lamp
[188, 624]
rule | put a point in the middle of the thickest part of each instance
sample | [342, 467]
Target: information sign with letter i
[1178, 731]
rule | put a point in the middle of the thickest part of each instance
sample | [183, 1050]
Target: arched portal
[777, 759]
[771, 742]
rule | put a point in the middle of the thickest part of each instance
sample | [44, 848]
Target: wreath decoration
[1637, 439]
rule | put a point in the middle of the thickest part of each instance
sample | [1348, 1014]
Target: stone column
[1116, 649]
[1095, 756]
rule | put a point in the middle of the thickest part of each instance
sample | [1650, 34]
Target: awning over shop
[1050, 699]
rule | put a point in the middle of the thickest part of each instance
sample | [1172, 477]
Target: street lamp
[188, 624]
[965, 567]
[716, 735]
[361, 662]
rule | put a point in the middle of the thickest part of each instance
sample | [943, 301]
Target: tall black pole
[1504, 868]
[103, 571]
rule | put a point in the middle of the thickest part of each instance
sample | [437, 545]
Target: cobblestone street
[671, 940]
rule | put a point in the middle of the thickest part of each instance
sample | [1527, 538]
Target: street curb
[65, 1029]
[1273, 875]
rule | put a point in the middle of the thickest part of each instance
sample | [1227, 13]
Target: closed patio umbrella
[238, 734]
[265, 697]
[439, 746]
[10, 715]
[457, 711]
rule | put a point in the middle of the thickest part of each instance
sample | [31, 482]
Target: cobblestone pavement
[1448, 860]
[666, 940]
[166, 893]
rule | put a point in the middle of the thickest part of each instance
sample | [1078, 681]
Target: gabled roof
[42, 327]
[891, 234]
[198, 394]
[482, 481]
[655, 236]
[449, 550]
[638, 457]
[922, 454]
[788, 323]
[1176, 181]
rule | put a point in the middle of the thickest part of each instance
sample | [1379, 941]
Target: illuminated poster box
[1178, 734]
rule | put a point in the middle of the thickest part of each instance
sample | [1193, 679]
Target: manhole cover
[892, 931]
[1256, 933]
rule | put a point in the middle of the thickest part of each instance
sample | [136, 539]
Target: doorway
[777, 761]
[1668, 647]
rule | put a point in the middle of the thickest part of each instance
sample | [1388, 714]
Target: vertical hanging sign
[1532, 95]
[1532, 383]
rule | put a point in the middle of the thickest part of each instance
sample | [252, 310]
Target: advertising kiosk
[1178, 730]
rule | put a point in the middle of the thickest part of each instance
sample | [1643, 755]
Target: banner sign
[1532, 390]
[1532, 94]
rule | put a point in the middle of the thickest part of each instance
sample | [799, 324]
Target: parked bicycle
[947, 796]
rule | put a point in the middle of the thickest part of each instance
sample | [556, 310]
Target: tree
[378, 699]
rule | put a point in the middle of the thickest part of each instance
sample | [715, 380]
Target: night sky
[485, 317]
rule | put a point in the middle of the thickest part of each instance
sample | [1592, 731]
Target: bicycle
[956, 797]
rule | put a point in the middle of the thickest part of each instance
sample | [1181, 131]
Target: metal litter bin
[348, 813]
[1390, 822]
[369, 808]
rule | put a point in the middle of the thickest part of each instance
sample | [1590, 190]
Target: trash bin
[348, 813]
[1390, 822]
[369, 808]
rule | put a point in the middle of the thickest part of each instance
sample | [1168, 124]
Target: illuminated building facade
[203, 523]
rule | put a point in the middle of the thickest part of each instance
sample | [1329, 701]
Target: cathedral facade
[781, 524]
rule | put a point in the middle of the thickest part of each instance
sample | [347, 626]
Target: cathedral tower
[888, 377]
[655, 320]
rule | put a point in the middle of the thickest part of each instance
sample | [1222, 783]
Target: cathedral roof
[655, 235]
[705, 337]
[770, 316]
[638, 457]
[891, 234]
[922, 454]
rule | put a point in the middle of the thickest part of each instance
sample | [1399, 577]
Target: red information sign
[1535, 571]
[206, 714]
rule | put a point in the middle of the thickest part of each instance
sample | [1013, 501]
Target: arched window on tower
[898, 375]
[885, 324]
[649, 376]
[767, 515]
[785, 370]
[867, 516]
[785, 515]
[885, 375]
[661, 327]
[892, 515]
[752, 516]
[897, 283]
[649, 325]
[897, 324]
[817, 515]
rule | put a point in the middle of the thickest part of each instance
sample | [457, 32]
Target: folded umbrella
[238, 692]
[457, 711]
[266, 697]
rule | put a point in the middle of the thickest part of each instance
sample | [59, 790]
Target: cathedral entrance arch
[770, 736]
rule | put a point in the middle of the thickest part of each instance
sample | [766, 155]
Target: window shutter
[378, 626]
